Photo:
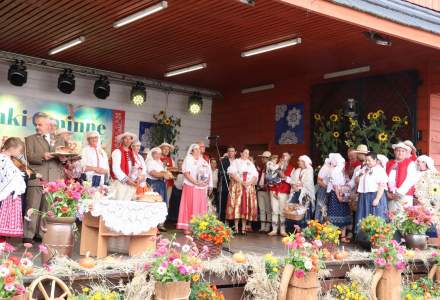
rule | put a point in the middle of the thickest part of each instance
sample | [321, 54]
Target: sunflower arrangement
[166, 129]
[328, 132]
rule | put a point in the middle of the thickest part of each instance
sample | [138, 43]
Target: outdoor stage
[116, 271]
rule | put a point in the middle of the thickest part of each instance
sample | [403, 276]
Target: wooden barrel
[386, 284]
[179, 290]
[58, 237]
[292, 287]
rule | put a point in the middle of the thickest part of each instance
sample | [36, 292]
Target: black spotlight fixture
[377, 38]
[66, 81]
[17, 74]
[195, 103]
[138, 94]
[101, 89]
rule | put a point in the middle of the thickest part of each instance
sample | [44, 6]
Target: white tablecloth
[130, 217]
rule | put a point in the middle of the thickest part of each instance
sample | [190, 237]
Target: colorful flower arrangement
[272, 265]
[166, 129]
[205, 291]
[377, 230]
[13, 268]
[413, 220]
[175, 262]
[389, 254]
[349, 291]
[302, 255]
[424, 288]
[87, 294]
[209, 228]
[327, 233]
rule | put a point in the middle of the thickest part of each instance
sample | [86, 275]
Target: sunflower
[334, 117]
[370, 115]
[382, 137]
[396, 119]
[380, 112]
[317, 117]
[336, 134]
[375, 116]
[435, 190]
[167, 121]
[353, 123]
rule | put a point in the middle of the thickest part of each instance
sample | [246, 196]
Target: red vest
[401, 172]
[284, 187]
[127, 157]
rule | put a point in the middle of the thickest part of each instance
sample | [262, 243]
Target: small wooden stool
[94, 235]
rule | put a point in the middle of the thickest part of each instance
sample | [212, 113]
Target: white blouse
[324, 173]
[411, 179]
[240, 166]
[371, 179]
[178, 182]
[336, 178]
[196, 168]
[93, 157]
[154, 165]
[11, 178]
[140, 168]
[214, 176]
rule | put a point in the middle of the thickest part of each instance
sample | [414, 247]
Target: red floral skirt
[242, 202]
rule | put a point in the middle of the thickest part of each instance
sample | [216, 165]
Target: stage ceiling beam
[345, 14]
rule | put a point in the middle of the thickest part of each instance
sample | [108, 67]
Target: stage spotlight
[138, 94]
[195, 103]
[101, 89]
[66, 81]
[17, 74]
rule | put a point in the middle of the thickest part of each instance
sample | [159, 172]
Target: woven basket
[295, 212]
[214, 250]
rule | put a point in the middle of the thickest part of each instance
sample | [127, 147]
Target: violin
[22, 166]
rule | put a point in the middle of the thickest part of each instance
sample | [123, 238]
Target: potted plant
[327, 233]
[389, 262]
[413, 222]
[424, 288]
[209, 231]
[272, 266]
[434, 274]
[374, 230]
[205, 291]
[300, 275]
[62, 202]
[173, 267]
[13, 268]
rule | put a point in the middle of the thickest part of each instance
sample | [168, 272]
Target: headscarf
[383, 160]
[307, 161]
[91, 134]
[337, 160]
[150, 154]
[429, 162]
[190, 149]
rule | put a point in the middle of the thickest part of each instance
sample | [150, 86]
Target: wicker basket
[295, 211]
[214, 250]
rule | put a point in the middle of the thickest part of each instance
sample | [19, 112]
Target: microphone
[213, 137]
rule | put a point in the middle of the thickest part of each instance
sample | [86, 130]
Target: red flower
[9, 279]
[64, 209]
[15, 260]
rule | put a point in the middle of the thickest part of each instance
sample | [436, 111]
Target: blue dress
[365, 207]
[339, 213]
[321, 204]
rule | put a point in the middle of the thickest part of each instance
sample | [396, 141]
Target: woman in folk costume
[303, 188]
[339, 212]
[402, 175]
[321, 193]
[168, 164]
[242, 201]
[139, 171]
[122, 163]
[94, 160]
[382, 160]
[425, 169]
[197, 175]
[12, 186]
[371, 190]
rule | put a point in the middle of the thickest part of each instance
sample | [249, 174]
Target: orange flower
[9, 279]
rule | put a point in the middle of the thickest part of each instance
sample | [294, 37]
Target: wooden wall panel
[431, 4]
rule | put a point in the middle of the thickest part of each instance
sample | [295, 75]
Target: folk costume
[123, 161]
[94, 157]
[158, 185]
[168, 163]
[263, 197]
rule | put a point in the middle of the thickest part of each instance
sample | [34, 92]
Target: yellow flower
[203, 225]
[195, 277]
[370, 115]
[396, 119]
[334, 117]
[167, 121]
[375, 116]
[336, 134]
[275, 270]
[317, 117]
[382, 137]
[85, 290]
[353, 123]
[161, 113]
[380, 112]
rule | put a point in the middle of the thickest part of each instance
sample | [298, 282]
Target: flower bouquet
[87, 294]
[424, 288]
[13, 268]
[413, 222]
[376, 230]
[349, 291]
[390, 254]
[209, 231]
[173, 267]
[205, 291]
[302, 264]
[272, 266]
[327, 233]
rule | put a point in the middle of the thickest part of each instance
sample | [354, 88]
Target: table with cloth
[106, 218]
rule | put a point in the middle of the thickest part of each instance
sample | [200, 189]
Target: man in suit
[223, 177]
[39, 149]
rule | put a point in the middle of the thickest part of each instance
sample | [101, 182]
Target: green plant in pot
[373, 231]
[413, 222]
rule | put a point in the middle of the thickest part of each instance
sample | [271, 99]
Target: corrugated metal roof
[398, 11]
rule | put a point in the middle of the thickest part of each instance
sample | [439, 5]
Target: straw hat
[167, 145]
[122, 135]
[401, 145]
[266, 154]
[91, 134]
[362, 149]
[410, 144]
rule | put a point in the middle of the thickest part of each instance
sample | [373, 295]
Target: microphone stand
[224, 178]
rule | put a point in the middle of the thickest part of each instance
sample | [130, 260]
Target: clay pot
[416, 241]
[292, 287]
[18, 297]
[172, 290]
[386, 284]
[434, 273]
[58, 238]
